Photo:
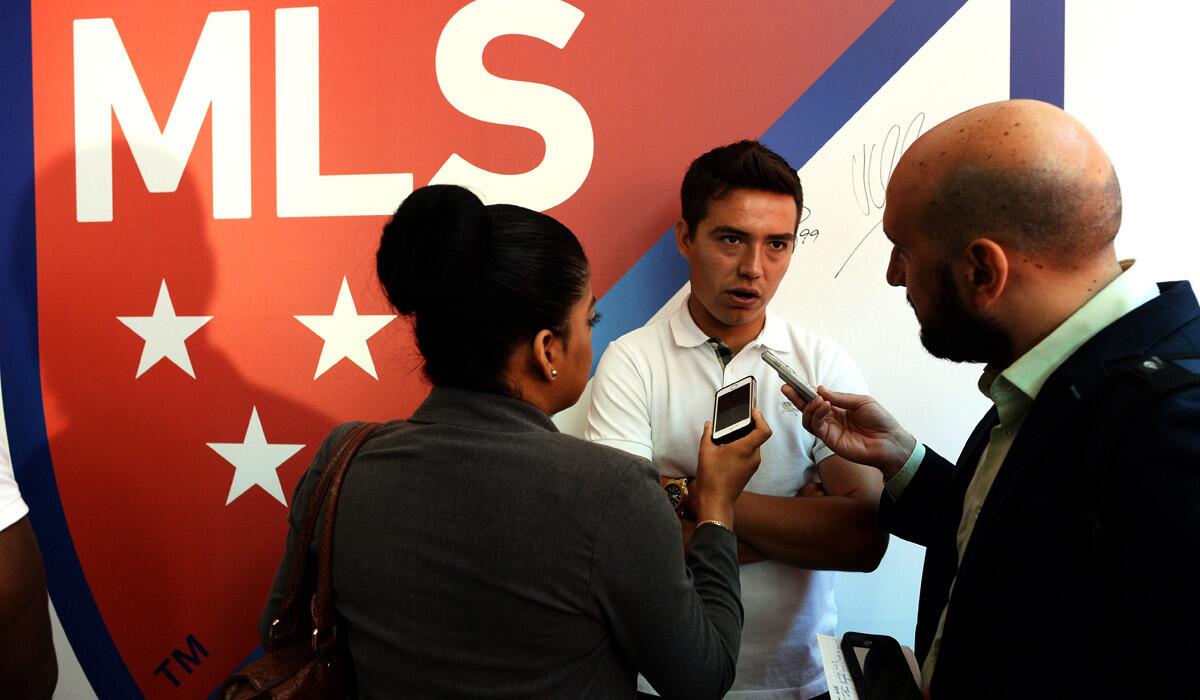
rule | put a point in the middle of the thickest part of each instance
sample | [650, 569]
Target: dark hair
[742, 165]
[1035, 211]
[477, 281]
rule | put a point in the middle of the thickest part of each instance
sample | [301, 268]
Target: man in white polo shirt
[654, 389]
[27, 665]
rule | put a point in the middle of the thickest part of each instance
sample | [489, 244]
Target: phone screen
[733, 407]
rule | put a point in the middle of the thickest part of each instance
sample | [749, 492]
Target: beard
[953, 332]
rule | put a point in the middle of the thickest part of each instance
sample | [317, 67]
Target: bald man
[1060, 546]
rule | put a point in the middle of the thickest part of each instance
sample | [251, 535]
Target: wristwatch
[677, 492]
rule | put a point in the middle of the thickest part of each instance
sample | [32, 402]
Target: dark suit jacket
[1046, 603]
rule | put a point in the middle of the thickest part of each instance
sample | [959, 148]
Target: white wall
[1131, 78]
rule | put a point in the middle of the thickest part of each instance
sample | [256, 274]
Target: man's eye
[731, 240]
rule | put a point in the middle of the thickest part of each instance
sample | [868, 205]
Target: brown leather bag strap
[322, 600]
[293, 595]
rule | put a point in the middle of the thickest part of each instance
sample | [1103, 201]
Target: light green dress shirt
[1013, 391]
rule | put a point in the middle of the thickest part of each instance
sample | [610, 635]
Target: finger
[792, 396]
[811, 490]
[842, 399]
[820, 410]
[761, 433]
[818, 419]
[814, 412]
[807, 416]
[706, 435]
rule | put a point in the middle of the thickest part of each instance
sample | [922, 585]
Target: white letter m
[105, 83]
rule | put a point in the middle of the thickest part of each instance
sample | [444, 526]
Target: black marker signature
[803, 235]
[868, 179]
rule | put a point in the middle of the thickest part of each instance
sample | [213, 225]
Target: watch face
[675, 493]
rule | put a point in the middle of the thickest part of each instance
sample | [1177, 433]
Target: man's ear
[984, 271]
[547, 348]
[683, 239]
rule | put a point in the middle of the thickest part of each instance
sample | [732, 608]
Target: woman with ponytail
[479, 552]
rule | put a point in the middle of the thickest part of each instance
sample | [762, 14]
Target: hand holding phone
[722, 471]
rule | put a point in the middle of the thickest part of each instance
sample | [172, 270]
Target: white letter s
[555, 115]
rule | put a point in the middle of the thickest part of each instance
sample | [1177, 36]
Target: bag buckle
[316, 636]
[272, 631]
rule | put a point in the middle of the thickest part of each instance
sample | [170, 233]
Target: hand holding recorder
[856, 427]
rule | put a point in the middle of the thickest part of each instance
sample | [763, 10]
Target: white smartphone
[788, 375]
[733, 411]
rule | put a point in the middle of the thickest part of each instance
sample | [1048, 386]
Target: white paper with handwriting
[841, 686]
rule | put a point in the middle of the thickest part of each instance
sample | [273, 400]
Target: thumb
[760, 434]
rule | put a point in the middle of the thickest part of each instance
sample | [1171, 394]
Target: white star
[255, 461]
[164, 333]
[345, 333]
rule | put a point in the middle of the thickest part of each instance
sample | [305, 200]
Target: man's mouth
[745, 296]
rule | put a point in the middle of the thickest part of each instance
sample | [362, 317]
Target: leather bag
[303, 655]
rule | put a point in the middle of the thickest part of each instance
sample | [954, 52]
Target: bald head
[1021, 172]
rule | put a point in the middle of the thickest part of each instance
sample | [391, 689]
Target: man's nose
[751, 262]
[895, 270]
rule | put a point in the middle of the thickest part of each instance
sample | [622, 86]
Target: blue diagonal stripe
[1038, 38]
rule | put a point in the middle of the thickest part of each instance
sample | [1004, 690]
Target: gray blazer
[481, 553]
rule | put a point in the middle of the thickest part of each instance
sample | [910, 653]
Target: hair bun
[432, 246]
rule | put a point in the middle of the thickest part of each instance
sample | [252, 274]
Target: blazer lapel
[1053, 408]
[941, 561]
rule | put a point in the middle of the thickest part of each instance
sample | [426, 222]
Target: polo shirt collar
[687, 334]
[774, 335]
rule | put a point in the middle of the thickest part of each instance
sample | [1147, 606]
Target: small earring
[553, 373]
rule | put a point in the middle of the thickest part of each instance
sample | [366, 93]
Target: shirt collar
[684, 329]
[1029, 373]
[774, 334]
[481, 411]
[688, 335]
